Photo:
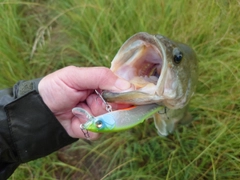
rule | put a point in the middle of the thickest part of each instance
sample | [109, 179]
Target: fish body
[163, 71]
[116, 120]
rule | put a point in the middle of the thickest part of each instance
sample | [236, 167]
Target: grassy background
[38, 37]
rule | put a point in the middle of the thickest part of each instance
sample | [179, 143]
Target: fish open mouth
[141, 64]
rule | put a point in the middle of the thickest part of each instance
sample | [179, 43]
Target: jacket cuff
[24, 87]
[35, 131]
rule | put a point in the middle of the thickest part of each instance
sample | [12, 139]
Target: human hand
[73, 87]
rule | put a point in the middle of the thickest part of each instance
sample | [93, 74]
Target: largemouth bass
[163, 72]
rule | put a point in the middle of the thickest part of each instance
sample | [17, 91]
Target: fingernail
[122, 84]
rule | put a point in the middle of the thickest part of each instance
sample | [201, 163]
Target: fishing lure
[115, 121]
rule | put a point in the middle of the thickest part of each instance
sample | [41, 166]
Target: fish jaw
[140, 61]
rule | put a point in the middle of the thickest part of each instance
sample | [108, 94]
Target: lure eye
[99, 124]
[177, 56]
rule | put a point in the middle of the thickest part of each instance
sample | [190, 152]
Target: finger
[96, 105]
[93, 78]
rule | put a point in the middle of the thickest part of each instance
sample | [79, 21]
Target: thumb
[93, 78]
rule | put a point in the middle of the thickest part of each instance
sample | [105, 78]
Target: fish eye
[177, 56]
[99, 124]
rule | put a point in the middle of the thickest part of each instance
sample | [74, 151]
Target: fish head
[162, 71]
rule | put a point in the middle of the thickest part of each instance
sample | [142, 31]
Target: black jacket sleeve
[28, 129]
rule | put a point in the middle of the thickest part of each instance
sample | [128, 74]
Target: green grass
[38, 37]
